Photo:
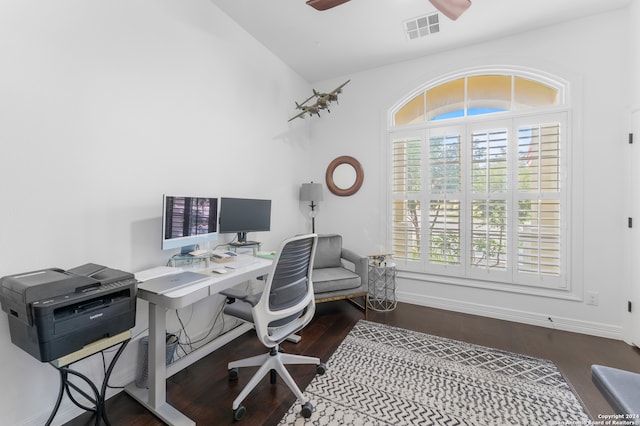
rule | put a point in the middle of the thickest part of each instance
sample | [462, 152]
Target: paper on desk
[266, 254]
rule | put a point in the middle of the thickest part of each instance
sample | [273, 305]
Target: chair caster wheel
[307, 409]
[233, 374]
[239, 412]
[321, 369]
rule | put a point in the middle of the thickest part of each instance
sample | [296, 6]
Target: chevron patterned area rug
[383, 375]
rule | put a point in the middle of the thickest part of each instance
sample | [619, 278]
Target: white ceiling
[364, 34]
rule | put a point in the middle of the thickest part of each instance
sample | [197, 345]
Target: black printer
[53, 312]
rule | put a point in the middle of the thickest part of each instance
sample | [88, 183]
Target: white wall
[592, 55]
[105, 106]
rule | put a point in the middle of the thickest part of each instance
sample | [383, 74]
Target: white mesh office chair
[284, 307]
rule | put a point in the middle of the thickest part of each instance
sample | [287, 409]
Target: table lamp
[311, 192]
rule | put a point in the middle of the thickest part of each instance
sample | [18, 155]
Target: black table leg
[99, 396]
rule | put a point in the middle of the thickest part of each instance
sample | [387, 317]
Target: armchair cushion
[333, 279]
[328, 252]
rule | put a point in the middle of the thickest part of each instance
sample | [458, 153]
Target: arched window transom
[475, 95]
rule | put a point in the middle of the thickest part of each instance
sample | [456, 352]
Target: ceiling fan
[452, 9]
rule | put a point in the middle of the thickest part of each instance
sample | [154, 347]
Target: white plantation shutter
[539, 158]
[541, 201]
[444, 232]
[489, 239]
[539, 248]
[482, 200]
[445, 184]
[407, 230]
[489, 161]
[489, 198]
[406, 215]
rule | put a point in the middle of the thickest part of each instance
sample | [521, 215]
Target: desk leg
[155, 398]
[157, 350]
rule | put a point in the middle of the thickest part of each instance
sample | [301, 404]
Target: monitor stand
[245, 243]
[242, 241]
[254, 245]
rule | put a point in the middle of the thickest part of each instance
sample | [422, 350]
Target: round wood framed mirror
[344, 176]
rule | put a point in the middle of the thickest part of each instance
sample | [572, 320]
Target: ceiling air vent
[422, 26]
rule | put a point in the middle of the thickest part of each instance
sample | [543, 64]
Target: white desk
[155, 398]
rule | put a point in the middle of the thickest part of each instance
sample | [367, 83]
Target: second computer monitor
[242, 215]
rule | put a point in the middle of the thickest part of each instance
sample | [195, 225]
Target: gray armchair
[339, 273]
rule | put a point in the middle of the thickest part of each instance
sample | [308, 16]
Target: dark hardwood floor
[203, 392]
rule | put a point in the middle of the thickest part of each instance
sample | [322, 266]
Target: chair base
[274, 360]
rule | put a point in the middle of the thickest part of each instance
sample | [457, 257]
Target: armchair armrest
[360, 264]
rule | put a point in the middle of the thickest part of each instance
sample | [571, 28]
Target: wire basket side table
[382, 284]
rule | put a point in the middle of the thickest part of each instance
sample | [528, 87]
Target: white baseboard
[497, 312]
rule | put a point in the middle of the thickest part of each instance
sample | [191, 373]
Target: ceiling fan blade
[452, 9]
[325, 4]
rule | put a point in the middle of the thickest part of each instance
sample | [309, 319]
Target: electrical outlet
[593, 298]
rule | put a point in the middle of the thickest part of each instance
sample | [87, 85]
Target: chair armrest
[236, 293]
[360, 264]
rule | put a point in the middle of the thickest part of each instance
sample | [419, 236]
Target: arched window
[475, 95]
[479, 181]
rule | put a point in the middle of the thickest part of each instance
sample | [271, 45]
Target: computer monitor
[242, 215]
[188, 222]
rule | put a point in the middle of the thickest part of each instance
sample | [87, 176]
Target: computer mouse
[219, 270]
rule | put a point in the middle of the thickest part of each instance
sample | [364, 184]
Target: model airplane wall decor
[325, 4]
[451, 8]
[323, 100]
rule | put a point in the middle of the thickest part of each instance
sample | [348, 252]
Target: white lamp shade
[311, 192]
[452, 9]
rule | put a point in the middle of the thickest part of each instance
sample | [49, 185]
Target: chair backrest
[287, 303]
